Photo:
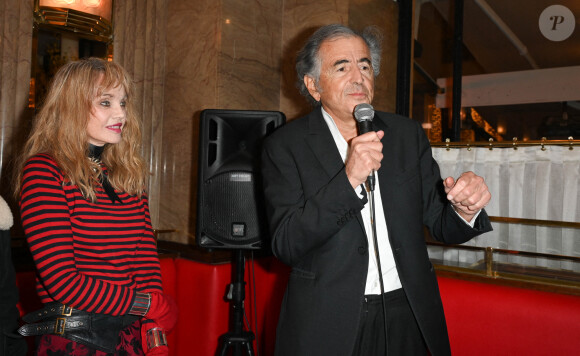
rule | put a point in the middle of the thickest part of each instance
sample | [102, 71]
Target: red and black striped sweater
[91, 256]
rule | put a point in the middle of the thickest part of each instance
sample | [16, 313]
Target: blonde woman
[86, 219]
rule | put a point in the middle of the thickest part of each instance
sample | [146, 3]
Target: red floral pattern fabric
[129, 344]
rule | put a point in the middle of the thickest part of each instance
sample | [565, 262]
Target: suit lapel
[324, 148]
[322, 144]
[384, 174]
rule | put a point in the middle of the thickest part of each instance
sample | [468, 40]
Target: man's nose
[357, 76]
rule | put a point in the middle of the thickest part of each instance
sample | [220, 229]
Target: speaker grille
[230, 200]
[230, 206]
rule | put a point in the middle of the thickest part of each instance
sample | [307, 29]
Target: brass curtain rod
[491, 144]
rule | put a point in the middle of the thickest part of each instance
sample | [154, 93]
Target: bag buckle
[59, 326]
[66, 310]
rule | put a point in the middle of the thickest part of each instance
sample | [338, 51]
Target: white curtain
[526, 182]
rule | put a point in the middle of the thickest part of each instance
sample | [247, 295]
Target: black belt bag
[99, 331]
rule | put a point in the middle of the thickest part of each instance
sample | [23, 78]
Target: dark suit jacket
[317, 229]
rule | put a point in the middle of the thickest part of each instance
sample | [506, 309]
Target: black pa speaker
[230, 211]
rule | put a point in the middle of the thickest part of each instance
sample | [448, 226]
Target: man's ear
[311, 86]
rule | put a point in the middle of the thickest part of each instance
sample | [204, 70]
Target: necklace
[95, 156]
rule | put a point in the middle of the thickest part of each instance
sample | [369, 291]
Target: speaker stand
[237, 337]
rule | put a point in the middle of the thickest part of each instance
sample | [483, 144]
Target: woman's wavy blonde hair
[60, 129]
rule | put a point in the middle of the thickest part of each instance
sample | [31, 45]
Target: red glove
[163, 311]
[161, 350]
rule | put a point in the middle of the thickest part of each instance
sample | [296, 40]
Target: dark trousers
[404, 336]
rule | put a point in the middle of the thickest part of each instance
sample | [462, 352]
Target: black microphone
[364, 113]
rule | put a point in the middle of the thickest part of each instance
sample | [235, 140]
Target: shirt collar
[340, 142]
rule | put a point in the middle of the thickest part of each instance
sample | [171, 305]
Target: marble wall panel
[191, 85]
[249, 55]
[16, 17]
[139, 45]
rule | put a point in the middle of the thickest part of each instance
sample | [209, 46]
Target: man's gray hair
[308, 61]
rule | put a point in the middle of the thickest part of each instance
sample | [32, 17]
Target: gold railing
[536, 222]
[491, 266]
[491, 263]
[491, 144]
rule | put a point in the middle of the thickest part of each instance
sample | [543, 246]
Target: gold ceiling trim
[82, 23]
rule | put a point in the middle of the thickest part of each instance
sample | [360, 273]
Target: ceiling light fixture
[87, 17]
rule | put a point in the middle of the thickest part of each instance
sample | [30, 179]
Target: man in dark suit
[314, 168]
